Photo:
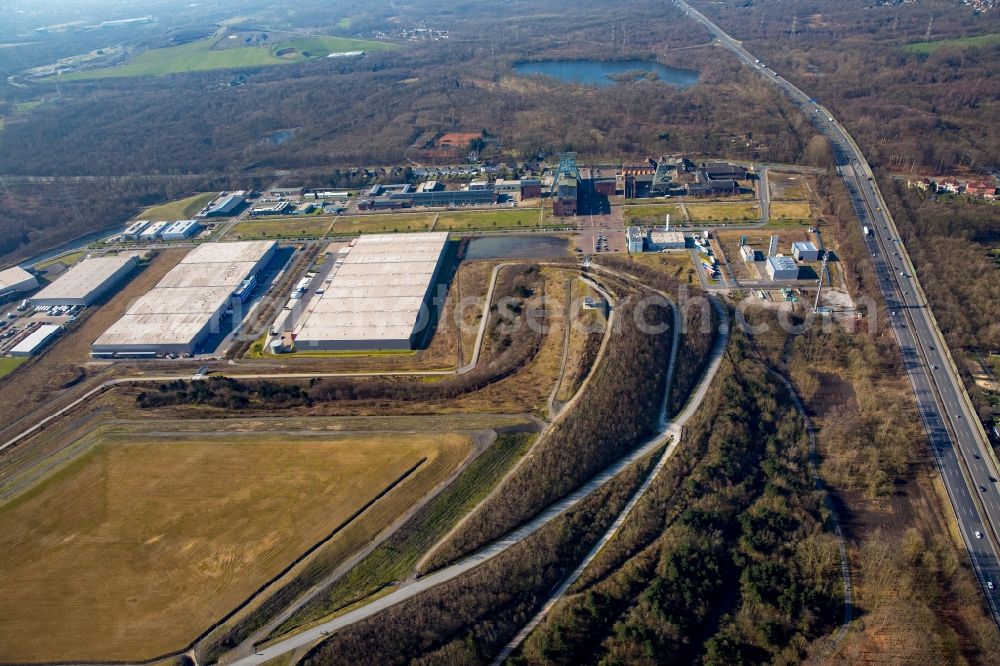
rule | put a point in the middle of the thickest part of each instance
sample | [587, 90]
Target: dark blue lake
[517, 247]
[601, 73]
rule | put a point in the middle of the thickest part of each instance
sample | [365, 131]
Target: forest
[951, 241]
[909, 110]
[133, 133]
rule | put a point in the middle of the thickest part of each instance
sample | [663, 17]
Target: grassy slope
[395, 559]
[199, 56]
[182, 209]
[387, 223]
[136, 546]
[298, 227]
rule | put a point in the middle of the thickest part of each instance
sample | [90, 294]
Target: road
[961, 448]
[669, 431]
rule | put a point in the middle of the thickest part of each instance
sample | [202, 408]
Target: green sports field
[199, 56]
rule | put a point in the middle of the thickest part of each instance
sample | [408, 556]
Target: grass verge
[182, 209]
[394, 560]
[9, 364]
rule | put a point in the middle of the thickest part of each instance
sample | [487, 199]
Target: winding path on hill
[669, 432]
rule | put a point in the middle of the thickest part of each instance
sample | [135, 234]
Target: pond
[517, 247]
[602, 73]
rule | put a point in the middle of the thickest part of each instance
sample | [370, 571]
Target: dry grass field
[677, 265]
[379, 224]
[791, 210]
[139, 544]
[723, 212]
[787, 186]
[517, 218]
[653, 214]
[301, 226]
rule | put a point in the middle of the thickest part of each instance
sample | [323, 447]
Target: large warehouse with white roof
[87, 281]
[13, 280]
[187, 305]
[376, 299]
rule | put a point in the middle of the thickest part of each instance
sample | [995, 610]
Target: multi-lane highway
[961, 448]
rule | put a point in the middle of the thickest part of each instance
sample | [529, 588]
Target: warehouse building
[153, 231]
[34, 342]
[634, 239]
[565, 186]
[188, 304]
[666, 240]
[225, 205]
[377, 298]
[87, 281]
[134, 229]
[16, 279]
[181, 230]
[805, 251]
[782, 268]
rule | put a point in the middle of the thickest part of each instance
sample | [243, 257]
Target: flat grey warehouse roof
[188, 302]
[88, 279]
[376, 297]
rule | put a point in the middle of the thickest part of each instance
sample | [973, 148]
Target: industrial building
[748, 253]
[805, 251]
[153, 231]
[723, 171]
[602, 180]
[377, 297]
[634, 239]
[16, 279]
[270, 207]
[518, 190]
[663, 178]
[565, 186]
[379, 190]
[181, 229]
[397, 197]
[36, 340]
[188, 304]
[666, 240]
[134, 229]
[782, 268]
[225, 205]
[87, 281]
